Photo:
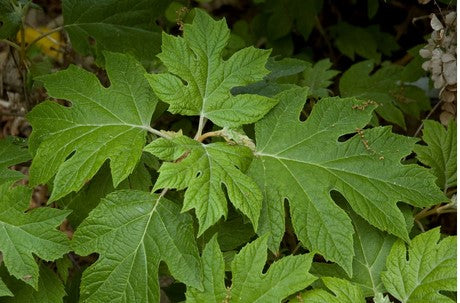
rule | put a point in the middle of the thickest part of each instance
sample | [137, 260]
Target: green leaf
[25, 234]
[371, 248]
[271, 84]
[4, 290]
[344, 292]
[304, 161]
[318, 78]
[133, 231]
[10, 19]
[125, 26]
[87, 198]
[429, 268]
[205, 168]
[12, 151]
[372, 8]
[200, 82]
[50, 289]
[249, 284]
[384, 87]
[440, 153]
[102, 123]
[353, 40]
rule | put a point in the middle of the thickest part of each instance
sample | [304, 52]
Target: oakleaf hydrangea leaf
[203, 169]
[133, 231]
[318, 77]
[126, 26]
[440, 153]
[12, 152]
[371, 248]
[199, 82]
[25, 234]
[429, 268]
[344, 292]
[249, 284]
[102, 123]
[50, 289]
[384, 87]
[304, 161]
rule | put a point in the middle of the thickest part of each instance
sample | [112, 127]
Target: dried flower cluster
[442, 64]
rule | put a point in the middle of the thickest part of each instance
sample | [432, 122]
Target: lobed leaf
[304, 161]
[126, 26]
[25, 234]
[200, 82]
[203, 169]
[249, 284]
[102, 123]
[133, 231]
[440, 153]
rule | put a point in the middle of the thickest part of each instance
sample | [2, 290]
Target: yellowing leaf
[50, 45]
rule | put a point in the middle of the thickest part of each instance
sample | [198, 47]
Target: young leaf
[304, 161]
[102, 123]
[133, 231]
[200, 82]
[26, 234]
[11, 152]
[249, 284]
[430, 268]
[50, 289]
[205, 168]
[441, 152]
[318, 78]
[344, 292]
[126, 26]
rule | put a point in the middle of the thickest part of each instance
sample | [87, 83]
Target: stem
[437, 210]
[11, 43]
[217, 133]
[426, 118]
[201, 125]
[57, 29]
[157, 132]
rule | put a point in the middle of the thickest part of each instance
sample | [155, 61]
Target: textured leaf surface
[344, 292]
[102, 123]
[24, 235]
[12, 152]
[318, 77]
[208, 78]
[429, 268]
[133, 231]
[371, 248]
[304, 161]
[382, 87]
[249, 284]
[50, 289]
[126, 26]
[86, 199]
[440, 153]
[203, 171]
